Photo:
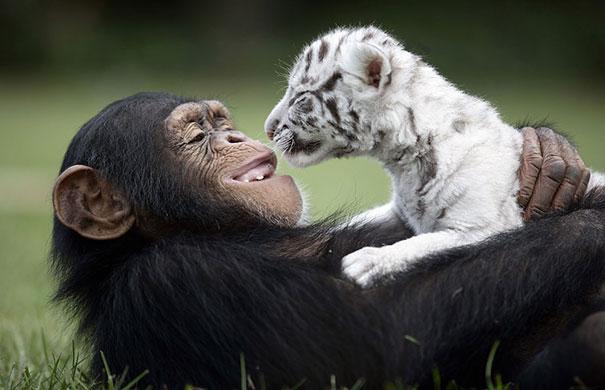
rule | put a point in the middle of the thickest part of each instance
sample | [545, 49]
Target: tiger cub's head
[343, 96]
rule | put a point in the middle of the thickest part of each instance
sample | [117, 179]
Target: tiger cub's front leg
[368, 264]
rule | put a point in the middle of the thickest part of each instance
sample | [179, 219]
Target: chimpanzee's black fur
[186, 306]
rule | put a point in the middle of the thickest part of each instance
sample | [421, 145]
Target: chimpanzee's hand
[552, 174]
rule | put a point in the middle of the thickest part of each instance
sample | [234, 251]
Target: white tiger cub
[453, 162]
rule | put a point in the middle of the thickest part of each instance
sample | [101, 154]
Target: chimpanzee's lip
[259, 168]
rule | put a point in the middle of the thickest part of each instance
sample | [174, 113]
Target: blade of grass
[133, 382]
[242, 364]
[488, 368]
[359, 384]
[110, 384]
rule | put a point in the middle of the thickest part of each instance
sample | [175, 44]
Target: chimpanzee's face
[237, 170]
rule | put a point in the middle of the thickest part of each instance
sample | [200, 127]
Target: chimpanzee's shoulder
[187, 254]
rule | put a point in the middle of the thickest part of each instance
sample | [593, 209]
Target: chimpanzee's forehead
[184, 114]
[196, 111]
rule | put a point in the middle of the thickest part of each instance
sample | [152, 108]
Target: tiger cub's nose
[270, 130]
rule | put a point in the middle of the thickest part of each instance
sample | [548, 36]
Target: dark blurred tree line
[563, 38]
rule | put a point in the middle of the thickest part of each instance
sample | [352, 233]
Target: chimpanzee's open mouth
[258, 169]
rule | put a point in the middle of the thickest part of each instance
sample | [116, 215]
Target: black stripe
[306, 147]
[354, 115]
[389, 79]
[306, 106]
[333, 107]
[420, 207]
[331, 82]
[308, 59]
[323, 49]
[293, 100]
[442, 213]
[428, 165]
[294, 121]
[340, 41]
[341, 131]
[412, 121]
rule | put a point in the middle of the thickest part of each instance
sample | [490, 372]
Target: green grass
[68, 370]
[38, 117]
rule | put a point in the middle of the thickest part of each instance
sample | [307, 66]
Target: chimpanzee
[181, 252]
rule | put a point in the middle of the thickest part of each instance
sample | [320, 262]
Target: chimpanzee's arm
[359, 235]
[518, 288]
[187, 308]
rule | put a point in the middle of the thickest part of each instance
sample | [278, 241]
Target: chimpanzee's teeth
[259, 172]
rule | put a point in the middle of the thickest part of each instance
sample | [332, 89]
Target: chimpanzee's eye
[194, 133]
[197, 137]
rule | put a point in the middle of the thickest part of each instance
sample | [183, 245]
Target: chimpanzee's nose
[230, 137]
[234, 137]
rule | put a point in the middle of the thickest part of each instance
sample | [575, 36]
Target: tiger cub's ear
[366, 62]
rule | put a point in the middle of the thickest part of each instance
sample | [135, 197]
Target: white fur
[409, 123]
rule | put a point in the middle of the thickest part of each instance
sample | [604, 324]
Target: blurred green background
[62, 61]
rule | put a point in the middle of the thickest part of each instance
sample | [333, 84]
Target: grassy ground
[38, 117]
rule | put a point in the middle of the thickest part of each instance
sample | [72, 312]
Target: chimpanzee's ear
[87, 203]
[367, 62]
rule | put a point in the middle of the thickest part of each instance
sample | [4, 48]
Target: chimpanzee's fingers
[581, 190]
[550, 177]
[564, 198]
[531, 163]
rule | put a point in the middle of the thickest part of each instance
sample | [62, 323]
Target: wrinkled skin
[203, 142]
[552, 174]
